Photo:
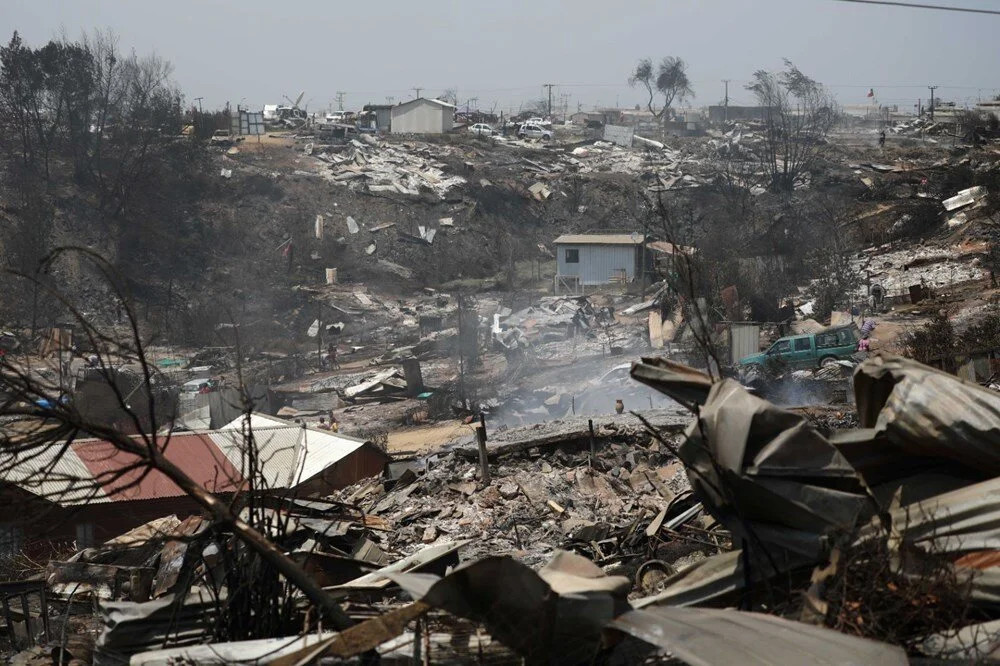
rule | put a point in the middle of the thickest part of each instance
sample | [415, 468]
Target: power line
[915, 5]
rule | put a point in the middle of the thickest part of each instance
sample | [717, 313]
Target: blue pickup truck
[811, 350]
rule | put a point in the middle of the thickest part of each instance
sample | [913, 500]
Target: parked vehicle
[224, 138]
[533, 131]
[812, 350]
[482, 129]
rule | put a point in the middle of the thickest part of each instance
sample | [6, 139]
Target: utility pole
[468, 102]
[417, 90]
[725, 117]
[549, 86]
[932, 89]
[340, 100]
[198, 99]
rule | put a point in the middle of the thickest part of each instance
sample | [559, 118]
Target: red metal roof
[196, 455]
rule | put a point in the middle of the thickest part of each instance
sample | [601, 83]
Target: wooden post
[484, 466]
[8, 620]
[27, 618]
[593, 448]
[45, 613]
[417, 643]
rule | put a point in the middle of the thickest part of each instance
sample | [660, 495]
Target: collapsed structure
[613, 553]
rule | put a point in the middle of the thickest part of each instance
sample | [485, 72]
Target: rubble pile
[918, 127]
[896, 271]
[535, 503]
[660, 168]
[378, 166]
[831, 536]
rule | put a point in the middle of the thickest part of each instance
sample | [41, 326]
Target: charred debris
[397, 416]
[586, 540]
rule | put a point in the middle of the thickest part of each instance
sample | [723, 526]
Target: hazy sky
[257, 50]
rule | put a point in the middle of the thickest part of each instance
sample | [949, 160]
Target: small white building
[590, 260]
[422, 116]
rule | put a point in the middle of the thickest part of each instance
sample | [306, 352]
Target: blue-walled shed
[585, 260]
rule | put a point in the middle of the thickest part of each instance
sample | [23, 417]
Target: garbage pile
[377, 166]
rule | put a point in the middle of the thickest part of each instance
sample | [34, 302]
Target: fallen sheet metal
[768, 475]
[260, 651]
[716, 580]
[964, 198]
[438, 556]
[371, 383]
[685, 385]
[131, 627]
[960, 521]
[560, 609]
[711, 637]
[926, 412]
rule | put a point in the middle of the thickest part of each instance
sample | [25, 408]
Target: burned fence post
[484, 466]
[593, 448]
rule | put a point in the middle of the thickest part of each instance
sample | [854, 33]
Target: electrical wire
[915, 5]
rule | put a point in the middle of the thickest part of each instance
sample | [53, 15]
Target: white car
[482, 129]
[534, 131]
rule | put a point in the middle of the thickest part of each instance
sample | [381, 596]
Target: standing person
[331, 354]
[881, 139]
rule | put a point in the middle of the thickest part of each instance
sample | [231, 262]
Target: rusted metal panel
[196, 455]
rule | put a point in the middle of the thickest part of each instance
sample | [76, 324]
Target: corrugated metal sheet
[321, 450]
[744, 340]
[195, 454]
[92, 471]
[598, 239]
[727, 636]
[303, 452]
[277, 453]
[422, 116]
[598, 264]
[53, 473]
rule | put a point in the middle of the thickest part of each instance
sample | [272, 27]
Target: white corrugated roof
[432, 100]
[598, 239]
[302, 452]
[288, 454]
[321, 449]
[54, 473]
